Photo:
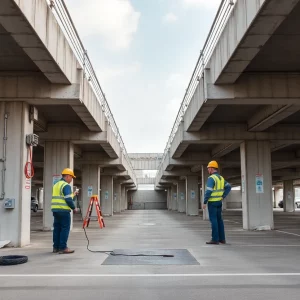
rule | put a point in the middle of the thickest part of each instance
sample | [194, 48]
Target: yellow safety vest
[58, 198]
[218, 191]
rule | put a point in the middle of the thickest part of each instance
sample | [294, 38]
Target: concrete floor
[254, 265]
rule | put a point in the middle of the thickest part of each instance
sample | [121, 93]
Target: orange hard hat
[213, 164]
[68, 171]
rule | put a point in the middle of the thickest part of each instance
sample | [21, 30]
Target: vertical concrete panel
[15, 223]
[232, 35]
[28, 9]
[192, 196]
[60, 48]
[241, 22]
[181, 196]
[40, 19]
[204, 181]
[117, 197]
[58, 156]
[90, 179]
[52, 35]
[106, 198]
[256, 195]
[288, 196]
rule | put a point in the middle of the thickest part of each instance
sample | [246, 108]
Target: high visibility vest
[58, 198]
[218, 191]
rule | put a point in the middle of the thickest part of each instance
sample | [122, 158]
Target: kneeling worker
[61, 206]
[217, 190]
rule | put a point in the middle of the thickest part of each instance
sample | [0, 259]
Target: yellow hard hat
[213, 164]
[68, 171]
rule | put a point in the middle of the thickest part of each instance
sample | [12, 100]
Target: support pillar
[174, 197]
[106, 198]
[204, 181]
[90, 186]
[169, 198]
[288, 196]
[257, 185]
[123, 198]
[15, 222]
[117, 197]
[181, 196]
[192, 196]
[278, 195]
[57, 156]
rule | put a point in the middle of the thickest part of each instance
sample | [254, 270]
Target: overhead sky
[144, 53]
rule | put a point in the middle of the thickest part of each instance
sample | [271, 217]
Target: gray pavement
[254, 265]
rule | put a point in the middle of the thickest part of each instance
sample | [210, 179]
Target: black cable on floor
[111, 252]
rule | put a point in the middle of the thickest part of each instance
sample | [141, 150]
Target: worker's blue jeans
[217, 225]
[62, 223]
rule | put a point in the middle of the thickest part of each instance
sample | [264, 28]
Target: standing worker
[61, 206]
[217, 190]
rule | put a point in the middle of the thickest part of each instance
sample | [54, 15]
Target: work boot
[212, 243]
[55, 250]
[222, 242]
[66, 251]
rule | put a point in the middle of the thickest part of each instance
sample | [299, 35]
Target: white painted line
[153, 275]
[288, 233]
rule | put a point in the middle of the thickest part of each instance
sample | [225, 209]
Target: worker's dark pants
[217, 225]
[62, 223]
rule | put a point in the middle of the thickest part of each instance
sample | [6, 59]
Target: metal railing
[64, 19]
[217, 27]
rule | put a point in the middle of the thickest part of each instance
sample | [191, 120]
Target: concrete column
[117, 197]
[123, 198]
[127, 197]
[169, 195]
[174, 197]
[15, 222]
[57, 156]
[256, 185]
[278, 196]
[106, 198]
[204, 181]
[192, 196]
[181, 192]
[90, 186]
[288, 196]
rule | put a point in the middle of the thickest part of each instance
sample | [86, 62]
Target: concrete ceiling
[12, 56]
[281, 52]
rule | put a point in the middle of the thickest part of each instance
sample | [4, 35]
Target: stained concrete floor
[254, 265]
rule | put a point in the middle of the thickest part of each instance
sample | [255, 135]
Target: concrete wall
[234, 200]
[149, 199]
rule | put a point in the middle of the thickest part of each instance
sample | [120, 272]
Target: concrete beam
[79, 96]
[101, 159]
[78, 135]
[278, 146]
[223, 149]
[235, 133]
[183, 172]
[255, 89]
[270, 115]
